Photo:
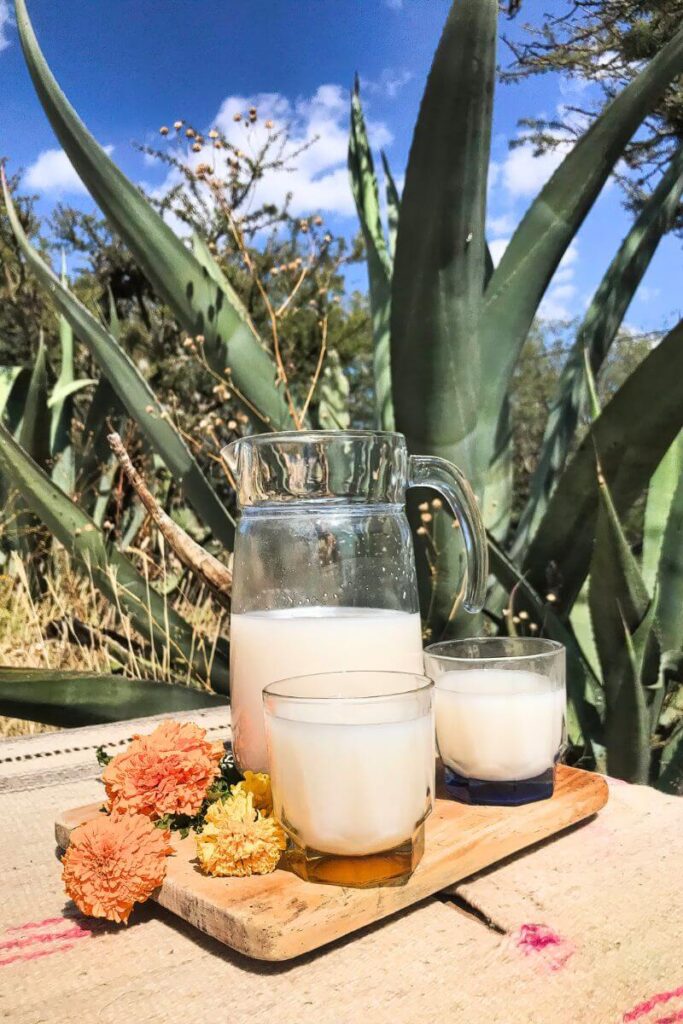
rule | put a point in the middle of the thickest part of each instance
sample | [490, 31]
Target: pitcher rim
[303, 435]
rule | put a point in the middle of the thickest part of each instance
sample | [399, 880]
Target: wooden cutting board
[279, 916]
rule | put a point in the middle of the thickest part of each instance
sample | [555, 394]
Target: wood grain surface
[279, 916]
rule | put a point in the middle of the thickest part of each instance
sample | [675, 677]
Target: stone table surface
[584, 929]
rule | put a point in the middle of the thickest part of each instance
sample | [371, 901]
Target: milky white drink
[498, 725]
[352, 789]
[267, 646]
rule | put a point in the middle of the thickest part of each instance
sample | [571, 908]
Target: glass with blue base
[500, 706]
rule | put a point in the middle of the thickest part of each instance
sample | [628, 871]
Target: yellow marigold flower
[239, 840]
[258, 784]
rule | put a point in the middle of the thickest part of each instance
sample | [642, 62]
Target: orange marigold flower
[167, 772]
[114, 862]
[239, 840]
[258, 784]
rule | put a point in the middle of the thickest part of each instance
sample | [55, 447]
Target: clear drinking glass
[324, 572]
[352, 761]
[500, 712]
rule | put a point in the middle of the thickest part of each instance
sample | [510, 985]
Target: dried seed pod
[163, 130]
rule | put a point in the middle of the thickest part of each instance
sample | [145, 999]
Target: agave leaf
[660, 495]
[441, 251]
[333, 407]
[22, 530]
[62, 391]
[594, 339]
[205, 258]
[105, 413]
[580, 621]
[438, 277]
[34, 431]
[60, 432]
[393, 205]
[133, 391]
[632, 434]
[14, 385]
[537, 246]
[200, 305]
[114, 321]
[584, 697]
[69, 699]
[498, 493]
[670, 565]
[111, 571]
[366, 196]
[622, 614]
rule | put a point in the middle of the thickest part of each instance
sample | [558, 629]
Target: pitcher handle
[443, 476]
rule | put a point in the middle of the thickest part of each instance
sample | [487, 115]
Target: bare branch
[216, 576]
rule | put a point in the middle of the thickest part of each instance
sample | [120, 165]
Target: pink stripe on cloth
[662, 997]
[36, 924]
[672, 1019]
[34, 954]
[45, 936]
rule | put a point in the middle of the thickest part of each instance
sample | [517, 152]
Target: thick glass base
[390, 867]
[506, 794]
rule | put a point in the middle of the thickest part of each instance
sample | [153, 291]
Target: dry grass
[39, 632]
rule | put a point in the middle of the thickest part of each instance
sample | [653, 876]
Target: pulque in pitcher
[324, 572]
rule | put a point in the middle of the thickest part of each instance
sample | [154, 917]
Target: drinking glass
[352, 761]
[500, 711]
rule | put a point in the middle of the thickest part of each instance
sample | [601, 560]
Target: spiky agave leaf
[199, 303]
[440, 258]
[393, 205]
[366, 196]
[69, 699]
[132, 389]
[669, 578]
[632, 433]
[61, 404]
[594, 338]
[622, 615]
[14, 384]
[112, 572]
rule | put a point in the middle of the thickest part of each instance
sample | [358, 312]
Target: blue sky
[129, 66]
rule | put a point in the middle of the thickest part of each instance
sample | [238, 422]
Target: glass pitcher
[324, 575]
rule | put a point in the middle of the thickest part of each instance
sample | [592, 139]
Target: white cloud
[52, 172]
[317, 177]
[5, 22]
[497, 247]
[389, 83]
[505, 224]
[647, 294]
[524, 174]
[561, 301]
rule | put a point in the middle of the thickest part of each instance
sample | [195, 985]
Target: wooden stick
[203, 564]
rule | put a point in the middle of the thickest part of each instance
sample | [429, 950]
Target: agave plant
[448, 329]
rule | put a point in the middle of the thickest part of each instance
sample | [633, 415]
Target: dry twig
[216, 576]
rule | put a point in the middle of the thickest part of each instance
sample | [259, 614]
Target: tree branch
[212, 572]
